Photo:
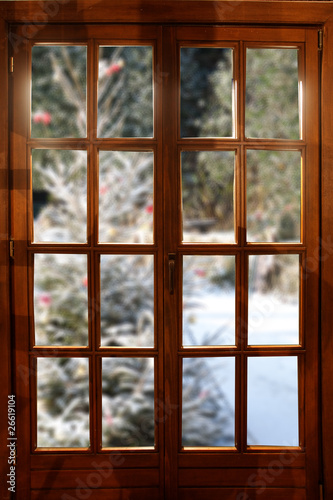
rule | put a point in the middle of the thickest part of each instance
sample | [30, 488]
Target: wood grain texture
[263, 493]
[5, 365]
[72, 461]
[276, 473]
[191, 11]
[20, 312]
[287, 458]
[104, 477]
[78, 11]
[327, 262]
[170, 158]
[97, 494]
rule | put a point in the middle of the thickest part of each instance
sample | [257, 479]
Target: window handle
[172, 258]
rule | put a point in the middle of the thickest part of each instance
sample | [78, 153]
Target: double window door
[165, 226]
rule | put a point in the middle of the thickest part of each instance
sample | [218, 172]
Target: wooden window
[166, 312]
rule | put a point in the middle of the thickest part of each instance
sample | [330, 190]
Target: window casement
[165, 219]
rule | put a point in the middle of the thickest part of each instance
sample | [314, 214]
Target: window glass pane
[208, 300]
[62, 402]
[125, 92]
[128, 402]
[273, 311]
[206, 76]
[273, 196]
[60, 299]
[127, 300]
[208, 412]
[59, 79]
[126, 196]
[59, 183]
[208, 179]
[272, 401]
[272, 103]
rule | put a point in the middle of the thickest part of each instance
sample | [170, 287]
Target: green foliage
[206, 84]
[273, 195]
[272, 106]
[208, 187]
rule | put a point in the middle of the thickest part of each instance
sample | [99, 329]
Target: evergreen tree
[206, 86]
[272, 111]
[273, 177]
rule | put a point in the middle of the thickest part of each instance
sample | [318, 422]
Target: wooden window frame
[309, 13]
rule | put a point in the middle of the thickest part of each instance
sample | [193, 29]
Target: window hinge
[321, 492]
[11, 248]
[11, 65]
[320, 39]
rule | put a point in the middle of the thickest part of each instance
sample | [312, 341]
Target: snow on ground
[272, 381]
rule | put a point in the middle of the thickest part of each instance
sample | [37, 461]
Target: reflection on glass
[208, 410]
[59, 183]
[272, 104]
[272, 418]
[126, 200]
[208, 196]
[273, 311]
[59, 78]
[62, 402]
[273, 196]
[208, 300]
[206, 76]
[128, 402]
[60, 299]
[127, 300]
[125, 92]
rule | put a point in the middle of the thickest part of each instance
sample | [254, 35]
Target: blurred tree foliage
[61, 282]
[271, 111]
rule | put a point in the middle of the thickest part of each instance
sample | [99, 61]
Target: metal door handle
[172, 258]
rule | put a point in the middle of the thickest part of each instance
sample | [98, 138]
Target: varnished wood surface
[65, 461]
[294, 458]
[263, 493]
[192, 11]
[326, 263]
[108, 478]
[20, 309]
[98, 494]
[173, 11]
[199, 478]
[5, 326]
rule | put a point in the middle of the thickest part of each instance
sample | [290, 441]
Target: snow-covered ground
[209, 316]
[272, 401]
[272, 381]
